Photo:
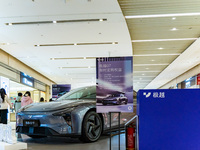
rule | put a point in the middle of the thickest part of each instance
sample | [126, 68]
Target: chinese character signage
[114, 84]
[26, 79]
[169, 119]
[60, 89]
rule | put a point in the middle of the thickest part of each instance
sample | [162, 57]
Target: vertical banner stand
[118, 130]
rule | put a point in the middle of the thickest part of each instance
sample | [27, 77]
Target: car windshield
[81, 93]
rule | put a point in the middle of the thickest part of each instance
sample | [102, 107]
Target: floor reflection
[64, 143]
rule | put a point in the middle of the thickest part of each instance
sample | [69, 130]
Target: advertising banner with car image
[114, 87]
[60, 89]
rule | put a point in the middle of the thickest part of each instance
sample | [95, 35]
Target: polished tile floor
[64, 143]
[58, 143]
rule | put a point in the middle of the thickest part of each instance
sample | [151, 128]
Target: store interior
[15, 88]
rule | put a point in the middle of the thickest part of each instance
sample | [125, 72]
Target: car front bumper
[49, 125]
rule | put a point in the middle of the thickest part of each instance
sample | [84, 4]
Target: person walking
[18, 102]
[26, 99]
[4, 102]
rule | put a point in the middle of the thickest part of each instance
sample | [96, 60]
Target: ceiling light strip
[140, 80]
[176, 54]
[160, 40]
[55, 21]
[145, 71]
[73, 58]
[75, 67]
[162, 15]
[150, 64]
[145, 76]
[75, 44]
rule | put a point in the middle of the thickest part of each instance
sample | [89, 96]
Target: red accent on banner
[198, 79]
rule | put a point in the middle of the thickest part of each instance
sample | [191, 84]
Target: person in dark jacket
[4, 103]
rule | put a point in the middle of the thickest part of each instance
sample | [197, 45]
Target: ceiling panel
[110, 27]
[167, 47]
[151, 28]
[153, 59]
[175, 22]
[147, 7]
[147, 68]
[141, 74]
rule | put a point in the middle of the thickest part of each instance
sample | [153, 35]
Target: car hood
[53, 106]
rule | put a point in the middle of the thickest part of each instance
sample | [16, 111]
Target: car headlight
[66, 114]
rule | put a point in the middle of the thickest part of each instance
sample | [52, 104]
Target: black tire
[91, 127]
[36, 136]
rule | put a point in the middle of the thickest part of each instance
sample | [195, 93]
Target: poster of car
[114, 85]
[60, 89]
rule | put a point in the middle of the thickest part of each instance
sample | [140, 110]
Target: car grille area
[44, 131]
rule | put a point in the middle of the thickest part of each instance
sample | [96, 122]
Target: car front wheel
[92, 127]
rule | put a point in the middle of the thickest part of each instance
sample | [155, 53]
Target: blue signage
[26, 79]
[114, 84]
[169, 119]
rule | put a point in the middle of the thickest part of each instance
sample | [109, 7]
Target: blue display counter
[169, 119]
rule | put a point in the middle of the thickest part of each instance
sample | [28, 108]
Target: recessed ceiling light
[174, 18]
[60, 67]
[147, 68]
[4, 43]
[37, 45]
[152, 60]
[54, 21]
[143, 74]
[100, 19]
[160, 48]
[10, 24]
[89, 67]
[52, 58]
[113, 43]
[84, 57]
[173, 29]
[75, 43]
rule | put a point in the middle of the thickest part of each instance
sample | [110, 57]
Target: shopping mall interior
[61, 50]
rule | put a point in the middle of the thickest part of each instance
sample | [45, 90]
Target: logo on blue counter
[147, 94]
[154, 94]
